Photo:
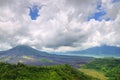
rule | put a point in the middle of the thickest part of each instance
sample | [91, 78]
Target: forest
[24, 72]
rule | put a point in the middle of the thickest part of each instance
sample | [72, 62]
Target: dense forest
[109, 66]
[24, 72]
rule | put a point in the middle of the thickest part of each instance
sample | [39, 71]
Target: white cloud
[112, 8]
[61, 26]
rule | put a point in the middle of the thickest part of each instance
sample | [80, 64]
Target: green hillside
[94, 73]
[24, 72]
[109, 66]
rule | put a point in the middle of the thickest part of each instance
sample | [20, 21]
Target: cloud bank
[62, 25]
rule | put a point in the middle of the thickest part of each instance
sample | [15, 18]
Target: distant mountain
[102, 51]
[28, 55]
[23, 50]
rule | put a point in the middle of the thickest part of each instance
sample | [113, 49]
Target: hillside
[57, 72]
[109, 66]
[101, 51]
[94, 73]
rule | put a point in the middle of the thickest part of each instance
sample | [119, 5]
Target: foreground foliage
[57, 72]
[109, 66]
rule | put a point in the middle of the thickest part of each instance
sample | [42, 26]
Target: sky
[59, 25]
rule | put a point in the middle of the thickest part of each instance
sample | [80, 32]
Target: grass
[21, 61]
[94, 74]
[45, 60]
[27, 57]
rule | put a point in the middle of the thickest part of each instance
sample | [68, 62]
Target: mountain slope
[21, 53]
[28, 55]
[109, 66]
[22, 50]
[102, 51]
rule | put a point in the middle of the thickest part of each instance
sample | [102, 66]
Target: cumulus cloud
[62, 25]
[112, 8]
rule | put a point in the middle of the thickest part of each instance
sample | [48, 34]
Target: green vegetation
[56, 72]
[21, 61]
[45, 60]
[94, 73]
[109, 66]
[27, 57]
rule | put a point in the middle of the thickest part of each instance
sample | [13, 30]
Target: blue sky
[34, 10]
[99, 13]
[115, 0]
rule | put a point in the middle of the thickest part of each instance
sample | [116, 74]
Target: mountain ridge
[100, 51]
[28, 55]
